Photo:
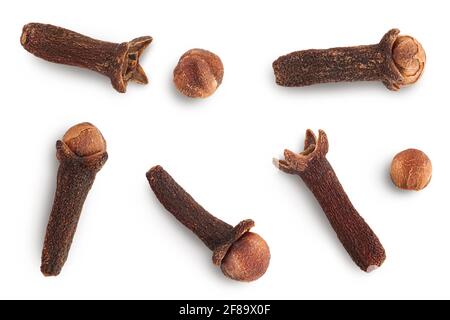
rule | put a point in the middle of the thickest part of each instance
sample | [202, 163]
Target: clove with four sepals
[242, 255]
[396, 60]
[312, 166]
[117, 61]
[81, 154]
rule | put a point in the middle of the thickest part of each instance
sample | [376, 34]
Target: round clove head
[198, 73]
[409, 57]
[247, 259]
[84, 139]
[411, 170]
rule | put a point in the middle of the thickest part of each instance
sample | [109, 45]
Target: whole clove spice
[117, 61]
[242, 255]
[411, 169]
[397, 61]
[81, 153]
[354, 233]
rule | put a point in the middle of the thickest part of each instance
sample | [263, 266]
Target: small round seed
[84, 139]
[198, 73]
[409, 57]
[411, 170]
[247, 259]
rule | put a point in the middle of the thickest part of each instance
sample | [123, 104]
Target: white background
[220, 149]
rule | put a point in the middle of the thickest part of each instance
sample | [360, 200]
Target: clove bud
[81, 154]
[242, 255]
[356, 236]
[397, 61]
[117, 61]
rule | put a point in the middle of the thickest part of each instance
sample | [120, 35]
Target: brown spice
[81, 153]
[198, 73]
[118, 61]
[397, 61]
[411, 169]
[312, 166]
[242, 255]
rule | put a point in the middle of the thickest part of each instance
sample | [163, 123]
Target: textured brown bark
[354, 233]
[118, 61]
[75, 178]
[345, 64]
[215, 234]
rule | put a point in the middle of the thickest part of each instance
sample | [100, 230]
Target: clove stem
[211, 230]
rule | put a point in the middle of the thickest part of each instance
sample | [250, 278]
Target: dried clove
[117, 61]
[81, 153]
[397, 61]
[198, 73]
[411, 169]
[354, 233]
[242, 255]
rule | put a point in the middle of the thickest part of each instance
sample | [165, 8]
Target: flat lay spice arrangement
[396, 61]
[242, 255]
[81, 154]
